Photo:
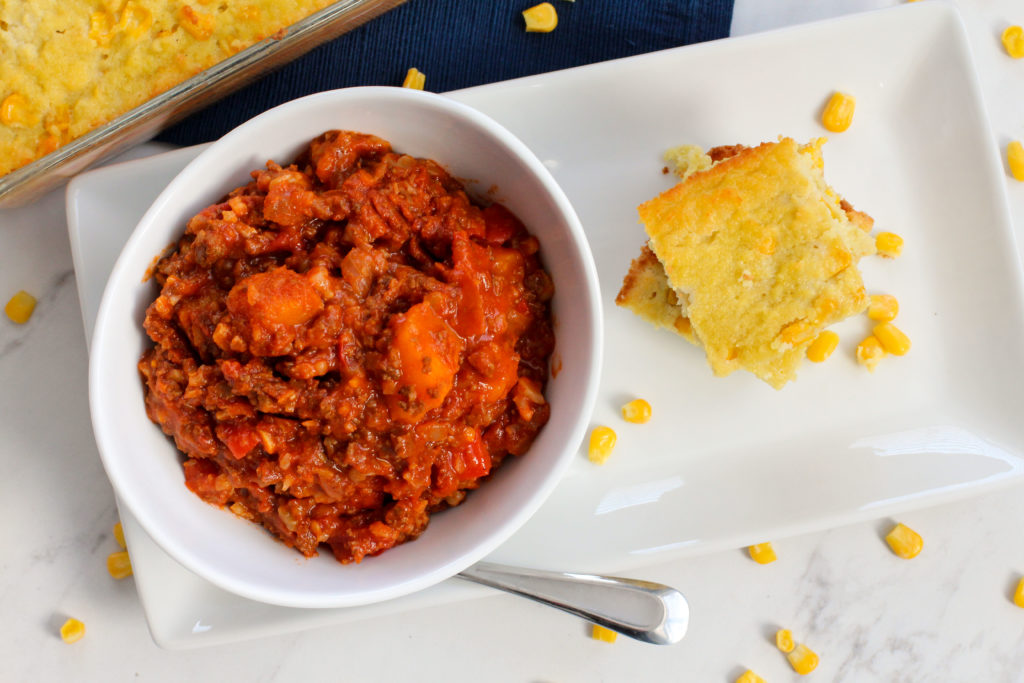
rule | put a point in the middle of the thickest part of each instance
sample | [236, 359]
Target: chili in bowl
[336, 326]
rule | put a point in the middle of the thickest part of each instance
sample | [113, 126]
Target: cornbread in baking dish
[69, 66]
[761, 253]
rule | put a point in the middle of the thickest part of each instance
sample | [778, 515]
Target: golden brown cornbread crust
[646, 291]
[763, 251]
[69, 66]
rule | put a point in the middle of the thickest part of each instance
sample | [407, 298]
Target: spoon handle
[649, 612]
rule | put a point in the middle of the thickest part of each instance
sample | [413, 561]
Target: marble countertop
[945, 616]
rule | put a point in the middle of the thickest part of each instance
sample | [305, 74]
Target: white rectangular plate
[724, 462]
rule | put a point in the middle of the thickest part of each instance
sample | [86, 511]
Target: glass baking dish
[25, 184]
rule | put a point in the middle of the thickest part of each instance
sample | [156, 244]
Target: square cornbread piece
[764, 254]
[646, 290]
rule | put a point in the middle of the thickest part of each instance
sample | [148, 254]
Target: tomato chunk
[502, 224]
[239, 438]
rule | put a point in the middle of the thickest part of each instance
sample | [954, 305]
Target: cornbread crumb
[870, 353]
[687, 160]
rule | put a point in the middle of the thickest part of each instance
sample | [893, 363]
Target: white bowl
[239, 556]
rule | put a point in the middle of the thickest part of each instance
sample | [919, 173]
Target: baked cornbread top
[68, 66]
[764, 254]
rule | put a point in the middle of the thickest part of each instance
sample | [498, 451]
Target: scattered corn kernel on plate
[726, 462]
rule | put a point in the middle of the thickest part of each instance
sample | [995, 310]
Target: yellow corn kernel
[135, 20]
[47, 143]
[767, 245]
[784, 640]
[72, 630]
[637, 411]
[119, 564]
[415, 79]
[749, 676]
[869, 352]
[14, 111]
[541, 18]
[199, 25]
[604, 634]
[892, 338]
[602, 442]
[822, 346]
[1015, 159]
[1013, 41]
[883, 307]
[904, 541]
[803, 659]
[1018, 595]
[101, 27]
[762, 553]
[825, 308]
[838, 114]
[119, 536]
[796, 333]
[19, 308]
[888, 244]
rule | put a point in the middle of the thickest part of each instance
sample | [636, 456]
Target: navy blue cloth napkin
[462, 43]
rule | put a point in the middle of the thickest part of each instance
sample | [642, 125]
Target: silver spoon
[649, 612]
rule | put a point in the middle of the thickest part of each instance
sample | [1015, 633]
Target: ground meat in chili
[348, 344]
